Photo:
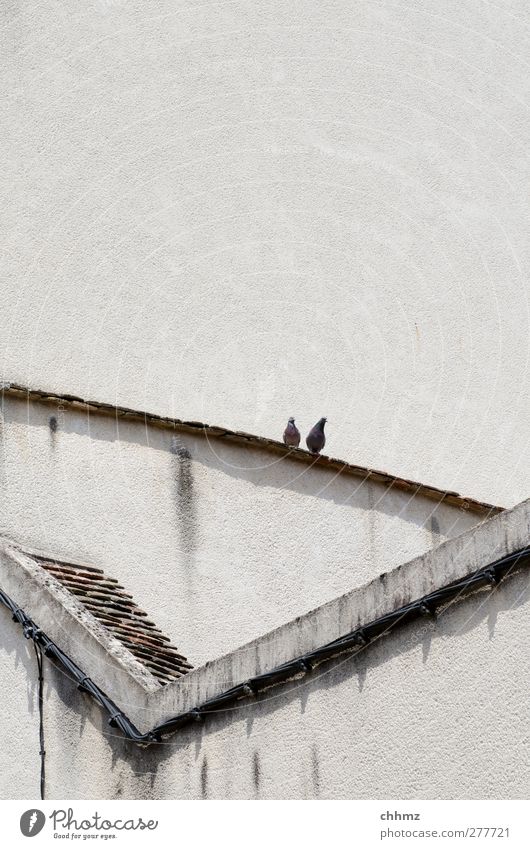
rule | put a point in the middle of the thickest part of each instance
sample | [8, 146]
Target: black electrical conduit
[42, 752]
[361, 637]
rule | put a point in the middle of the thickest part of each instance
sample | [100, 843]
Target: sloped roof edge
[457, 566]
[454, 560]
[70, 624]
[252, 440]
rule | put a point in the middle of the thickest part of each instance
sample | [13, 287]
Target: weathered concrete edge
[56, 611]
[75, 630]
[501, 535]
[322, 461]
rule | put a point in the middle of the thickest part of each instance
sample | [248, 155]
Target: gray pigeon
[316, 439]
[291, 434]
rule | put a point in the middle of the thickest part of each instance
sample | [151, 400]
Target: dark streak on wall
[435, 531]
[256, 771]
[185, 499]
[53, 424]
[315, 770]
[204, 778]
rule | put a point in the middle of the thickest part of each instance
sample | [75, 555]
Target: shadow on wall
[254, 465]
[13, 643]
[134, 769]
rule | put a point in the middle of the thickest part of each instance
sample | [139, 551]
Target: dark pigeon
[291, 434]
[316, 439]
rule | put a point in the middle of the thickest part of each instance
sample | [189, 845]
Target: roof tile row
[116, 610]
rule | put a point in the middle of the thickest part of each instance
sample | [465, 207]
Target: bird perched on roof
[291, 434]
[316, 439]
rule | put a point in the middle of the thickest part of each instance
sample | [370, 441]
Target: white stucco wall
[238, 212]
[219, 548]
[242, 211]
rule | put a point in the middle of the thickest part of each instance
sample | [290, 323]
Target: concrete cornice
[147, 706]
[69, 624]
[250, 440]
[455, 559]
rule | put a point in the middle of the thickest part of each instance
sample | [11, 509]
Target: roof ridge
[271, 445]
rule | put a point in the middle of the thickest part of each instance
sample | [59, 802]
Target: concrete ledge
[504, 534]
[72, 627]
[54, 610]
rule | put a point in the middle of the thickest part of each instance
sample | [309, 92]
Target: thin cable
[42, 751]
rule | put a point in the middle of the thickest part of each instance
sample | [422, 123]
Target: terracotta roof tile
[115, 608]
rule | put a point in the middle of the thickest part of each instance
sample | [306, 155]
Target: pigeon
[316, 439]
[291, 434]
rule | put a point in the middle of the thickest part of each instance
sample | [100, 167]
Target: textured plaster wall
[238, 212]
[241, 211]
[436, 711]
[218, 543]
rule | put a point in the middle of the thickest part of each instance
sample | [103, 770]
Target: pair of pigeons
[315, 439]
